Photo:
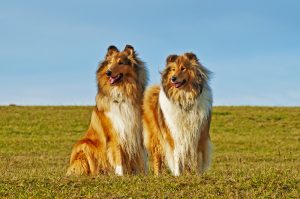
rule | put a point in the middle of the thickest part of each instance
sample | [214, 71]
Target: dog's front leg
[176, 162]
[118, 161]
[119, 170]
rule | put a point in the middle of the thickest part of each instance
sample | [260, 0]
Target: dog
[177, 116]
[114, 141]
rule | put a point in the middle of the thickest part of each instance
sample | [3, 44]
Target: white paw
[119, 170]
[176, 172]
[176, 164]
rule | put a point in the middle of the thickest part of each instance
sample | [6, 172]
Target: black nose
[173, 78]
[108, 73]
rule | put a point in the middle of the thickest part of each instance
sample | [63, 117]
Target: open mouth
[179, 84]
[115, 79]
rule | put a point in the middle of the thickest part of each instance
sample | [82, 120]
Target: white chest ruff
[124, 117]
[185, 126]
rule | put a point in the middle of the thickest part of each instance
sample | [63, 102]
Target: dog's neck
[182, 99]
[185, 101]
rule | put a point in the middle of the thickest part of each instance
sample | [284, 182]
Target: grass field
[256, 155]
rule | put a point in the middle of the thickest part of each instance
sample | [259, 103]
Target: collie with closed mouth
[113, 141]
[177, 116]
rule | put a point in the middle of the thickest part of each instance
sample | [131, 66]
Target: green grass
[256, 155]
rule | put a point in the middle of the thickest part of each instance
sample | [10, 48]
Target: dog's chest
[184, 125]
[124, 117]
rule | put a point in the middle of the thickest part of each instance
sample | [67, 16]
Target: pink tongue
[112, 80]
[177, 85]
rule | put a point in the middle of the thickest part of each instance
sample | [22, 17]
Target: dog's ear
[111, 50]
[191, 56]
[129, 50]
[171, 58]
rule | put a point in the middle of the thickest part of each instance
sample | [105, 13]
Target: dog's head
[122, 69]
[184, 77]
[120, 65]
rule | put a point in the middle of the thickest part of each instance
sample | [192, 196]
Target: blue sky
[49, 50]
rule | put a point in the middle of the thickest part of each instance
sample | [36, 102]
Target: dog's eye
[121, 63]
[183, 68]
[173, 69]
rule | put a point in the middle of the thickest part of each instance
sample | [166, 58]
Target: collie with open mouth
[113, 141]
[177, 115]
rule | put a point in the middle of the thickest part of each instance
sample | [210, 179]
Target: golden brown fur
[176, 116]
[113, 141]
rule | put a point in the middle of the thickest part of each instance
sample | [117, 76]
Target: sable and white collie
[177, 115]
[114, 141]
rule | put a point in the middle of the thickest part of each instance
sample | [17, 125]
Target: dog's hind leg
[157, 162]
[83, 159]
[79, 165]
[206, 156]
[204, 147]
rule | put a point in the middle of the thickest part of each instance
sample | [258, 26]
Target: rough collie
[113, 141]
[177, 115]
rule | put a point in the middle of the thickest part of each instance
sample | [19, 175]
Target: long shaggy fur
[114, 139]
[176, 116]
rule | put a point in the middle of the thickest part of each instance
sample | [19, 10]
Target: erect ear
[171, 58]
[191, 56]
[111, 50]
[129, 50]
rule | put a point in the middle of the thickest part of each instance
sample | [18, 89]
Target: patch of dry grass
[256, 154]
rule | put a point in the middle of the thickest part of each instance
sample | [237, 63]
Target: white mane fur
[124, 115]
[185, 128]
